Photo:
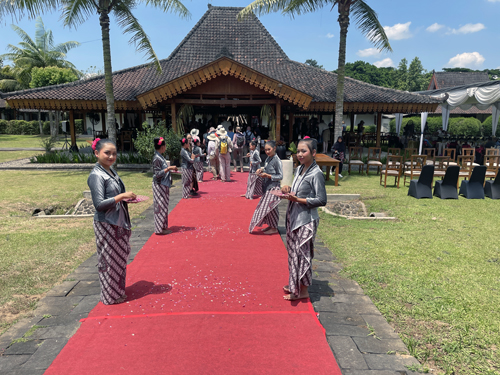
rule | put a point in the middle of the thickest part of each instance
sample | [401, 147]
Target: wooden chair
[417, 162]
[374, 154]
[431, 154]
[394, 151]
[492, 151]
[408, 152]
[491, 163]
[126, 138]
[356, 158]
[440, 165]
[452, 154]
[394, 168]
[465, 164]
[470, 152]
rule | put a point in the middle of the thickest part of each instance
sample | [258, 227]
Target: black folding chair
[447, 187]
[422, 188]
[473, 189]
[492, 188]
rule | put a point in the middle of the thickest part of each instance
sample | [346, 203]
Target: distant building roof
[444, 80]
[218, 35]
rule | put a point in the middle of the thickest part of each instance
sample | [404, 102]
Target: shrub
[464, 126]
[486, 127]
[3, 126]
[48, 143]
[144, 142]
[79, 126]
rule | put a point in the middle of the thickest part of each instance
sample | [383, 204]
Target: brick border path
[345, 312]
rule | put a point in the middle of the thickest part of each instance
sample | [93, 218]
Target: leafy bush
[486, 127]
[144, 142]
[79, 126]
[51, 75]
[3, 126]
[464, 126]
[48, 143]
[370, 129]
[65, 157]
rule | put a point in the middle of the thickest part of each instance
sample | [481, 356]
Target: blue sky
[442, 33]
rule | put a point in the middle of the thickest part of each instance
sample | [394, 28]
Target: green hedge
[486, 127]
[458, 126]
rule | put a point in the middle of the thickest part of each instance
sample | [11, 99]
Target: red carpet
[206, 299]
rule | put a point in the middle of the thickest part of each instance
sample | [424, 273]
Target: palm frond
[40, 34]
[259, 7]
[65, 47]
[33, 8]
[23, 35]
[367, 22]
[173, 6]
[76, 12]
[139, 38]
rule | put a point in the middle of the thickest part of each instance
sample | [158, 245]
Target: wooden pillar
[278, 120]
[379, 127]
[351, 115]
[103, 121]
[72, 127]
[291, 122]
[173, 113]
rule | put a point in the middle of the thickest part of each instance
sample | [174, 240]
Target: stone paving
[361, 339]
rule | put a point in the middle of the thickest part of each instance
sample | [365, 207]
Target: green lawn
[35, 253]
[14, 155]
[32, 141]
[434, 273]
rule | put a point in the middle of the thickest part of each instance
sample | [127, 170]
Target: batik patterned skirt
[198, 167]
[187, 179]
[300, 247]
[254, 186]
[113, 250]
[266, 211]
[161, 197]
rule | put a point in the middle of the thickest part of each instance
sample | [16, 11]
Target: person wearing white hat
[213, 154]
[224, 147]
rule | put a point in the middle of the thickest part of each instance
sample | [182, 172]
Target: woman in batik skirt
[187, 164]
[162, 180]
[198, 163]
[254, 182]
[306, 194]
[111, 222]
[267, 209]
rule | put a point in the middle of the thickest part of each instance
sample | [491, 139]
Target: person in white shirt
[224, 146]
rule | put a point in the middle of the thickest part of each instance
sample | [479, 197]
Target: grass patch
[16, 155]
[434, 273]
[32, 141]
[37, 254]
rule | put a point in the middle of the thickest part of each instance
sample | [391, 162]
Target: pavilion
[222, 67]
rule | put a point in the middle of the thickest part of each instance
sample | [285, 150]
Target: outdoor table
[326, 161]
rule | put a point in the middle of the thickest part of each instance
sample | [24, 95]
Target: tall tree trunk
[344, 8]
[40, 121]
[53, 129]
[108, 75]
[58, 121]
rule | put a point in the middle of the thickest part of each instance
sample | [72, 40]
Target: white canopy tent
[481, 95]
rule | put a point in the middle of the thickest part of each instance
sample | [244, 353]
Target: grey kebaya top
[186, 161]
[159, 166]
[105, 187]
[273, 167]
[197, 152]
[254, 161]
[311, 185]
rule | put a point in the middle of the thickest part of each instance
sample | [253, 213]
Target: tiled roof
[471, 111]
[217, 34]
[445, 80]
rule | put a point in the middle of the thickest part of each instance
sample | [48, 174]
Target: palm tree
[76, 12]
[40, 53]
[366, 20]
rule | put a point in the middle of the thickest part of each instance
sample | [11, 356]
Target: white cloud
[368, 52]
[398, 31]
[466, 60]
[385, 63]
[434, 27]
[468, 29]
[329, 35]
